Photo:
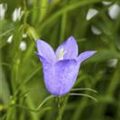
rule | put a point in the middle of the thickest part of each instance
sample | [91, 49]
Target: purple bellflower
[61, 67]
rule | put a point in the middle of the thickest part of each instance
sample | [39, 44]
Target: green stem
[59, 113]
[59, 109]
[81, 89]
[8, 115]
[62, 102]
[38, 108]
[66, 9]
[84, 95]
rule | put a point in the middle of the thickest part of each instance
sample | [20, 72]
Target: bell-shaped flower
[61, 67]
[3, 8]
[17, 14]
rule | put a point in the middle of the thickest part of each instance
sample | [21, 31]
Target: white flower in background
[91, 13]
[112, 62]
[9, 40]
[23, 46]
[3, 8]
[106, 3]
[17, 14]
[95, 30]
[114, 11]
[24, 35]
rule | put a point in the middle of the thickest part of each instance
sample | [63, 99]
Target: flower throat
[61, 54]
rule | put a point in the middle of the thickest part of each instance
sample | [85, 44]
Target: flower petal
[42, 59]
[45, 50]
[70, 47]
[66, 72]
[48, 71]
[83, 56]
[59, 78]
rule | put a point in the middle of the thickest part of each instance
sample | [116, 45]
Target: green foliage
[21, 78]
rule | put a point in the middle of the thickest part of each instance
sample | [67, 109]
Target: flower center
[61, 54]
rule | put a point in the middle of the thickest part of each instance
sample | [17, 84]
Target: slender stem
[59, 109]
[38, 108]
[62, 102]
[85, 95]
[26, 80]
[8, 115]
[59, 113]
[80, 89]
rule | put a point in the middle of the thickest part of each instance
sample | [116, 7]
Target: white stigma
[61, 54]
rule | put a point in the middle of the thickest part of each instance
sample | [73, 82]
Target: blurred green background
[96, 26]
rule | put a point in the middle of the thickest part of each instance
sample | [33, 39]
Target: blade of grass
[84, 95]
[88, 89]
[66, 9]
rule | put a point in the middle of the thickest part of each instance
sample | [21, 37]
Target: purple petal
[83, 56]
[42, 59]
[70, 47]
[66, 75]
[48, 71]
[49, 75]
[46, 51]
[59, 79]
